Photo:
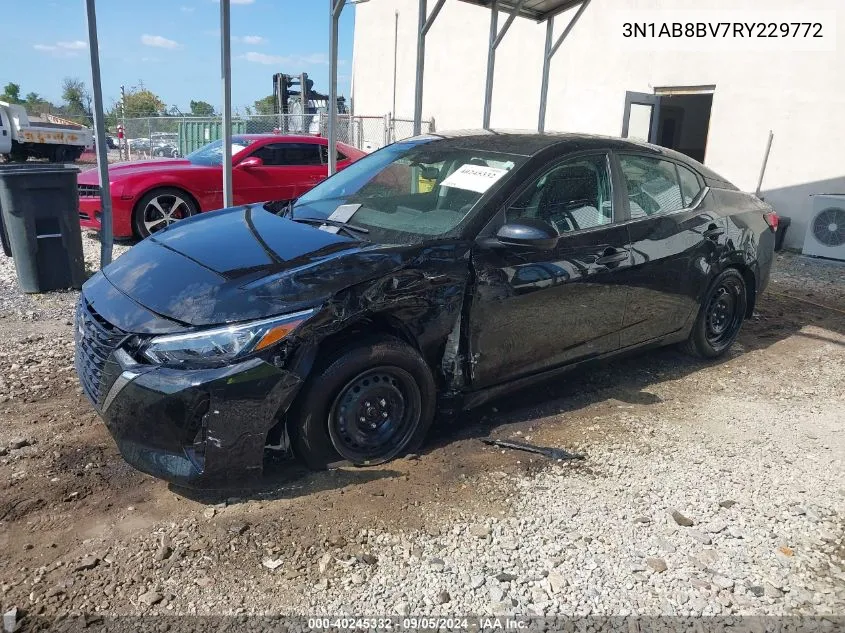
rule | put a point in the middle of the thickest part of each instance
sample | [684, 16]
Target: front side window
[411, 190]
[571, 196]
[652, 186]
[212, 154]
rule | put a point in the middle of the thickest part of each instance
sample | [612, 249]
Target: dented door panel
[533, 310]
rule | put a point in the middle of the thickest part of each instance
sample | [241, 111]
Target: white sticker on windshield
[341, 214]
[474, 178]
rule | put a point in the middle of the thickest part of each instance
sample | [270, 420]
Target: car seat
[569, 200]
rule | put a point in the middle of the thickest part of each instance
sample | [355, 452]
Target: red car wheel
[160, 208]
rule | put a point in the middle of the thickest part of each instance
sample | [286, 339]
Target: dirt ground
[66, 494]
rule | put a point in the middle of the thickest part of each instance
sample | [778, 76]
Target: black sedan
[435, 273]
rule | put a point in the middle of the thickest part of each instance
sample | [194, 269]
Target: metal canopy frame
[538, 10]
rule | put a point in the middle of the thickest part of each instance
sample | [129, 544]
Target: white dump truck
[21, 138]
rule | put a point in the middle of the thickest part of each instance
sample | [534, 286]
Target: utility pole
[226, 76]
[395, 53]
[106, 234]
[121, 141]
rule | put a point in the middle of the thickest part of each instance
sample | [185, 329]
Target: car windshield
[212, 154]
[414, 190]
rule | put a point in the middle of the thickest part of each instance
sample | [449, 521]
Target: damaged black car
[432, 275]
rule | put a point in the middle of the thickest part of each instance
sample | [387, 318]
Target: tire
[18, 154]
[720, 316]
[59, 154]
[160, 208]
[367, 403]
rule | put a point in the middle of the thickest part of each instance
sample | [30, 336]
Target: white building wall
[798, 95]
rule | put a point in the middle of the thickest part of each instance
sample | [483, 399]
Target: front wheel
[720, 316]
[160, 208]
[367, 404]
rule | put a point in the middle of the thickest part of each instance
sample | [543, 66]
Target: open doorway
[677, 118]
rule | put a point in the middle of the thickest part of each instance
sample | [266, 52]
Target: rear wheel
[720, 316]
[59, 154]
[160, 208]
[367, 404]
[18, 154]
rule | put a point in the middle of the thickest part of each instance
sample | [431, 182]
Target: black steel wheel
[720, 317]
[367, 403]
[374, 415]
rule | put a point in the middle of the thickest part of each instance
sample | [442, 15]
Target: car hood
[122, 170]
[243, 263]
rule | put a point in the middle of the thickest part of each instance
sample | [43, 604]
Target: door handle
[613, 256]
[713, 232]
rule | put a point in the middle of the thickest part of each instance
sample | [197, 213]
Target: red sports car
[149, 195]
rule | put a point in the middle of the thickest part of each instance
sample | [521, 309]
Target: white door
[5, 132]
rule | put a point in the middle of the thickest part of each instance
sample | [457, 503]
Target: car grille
[95, 340]
[89, 191]
[84, 216]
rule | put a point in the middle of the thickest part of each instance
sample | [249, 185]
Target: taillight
[772, 220]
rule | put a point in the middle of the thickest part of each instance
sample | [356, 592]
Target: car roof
[527, 143]
[284, 138]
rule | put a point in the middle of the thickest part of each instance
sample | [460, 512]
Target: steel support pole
[226, 75]
[547, 58]
[544, 86]
[491, 62]
[765, 162]
[496, 37]
[335, 7]
[106, 231]
[418, 89]
[424, 24]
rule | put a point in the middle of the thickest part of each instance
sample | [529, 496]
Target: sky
[173, 47]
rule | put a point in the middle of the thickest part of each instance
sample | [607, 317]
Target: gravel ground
[708, 489]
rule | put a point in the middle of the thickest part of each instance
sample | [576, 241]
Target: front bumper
[90, 215]
[196, 428]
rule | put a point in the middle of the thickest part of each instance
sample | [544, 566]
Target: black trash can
[780, 235]
[39, 206]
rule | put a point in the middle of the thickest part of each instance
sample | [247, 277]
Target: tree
[11, 93]
[265, 105]
[141, 102]
[76, 96]
[201, 108]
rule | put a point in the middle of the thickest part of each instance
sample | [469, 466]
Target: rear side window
[324, 154]
[652, 186]
[286, 154]
[690, 184]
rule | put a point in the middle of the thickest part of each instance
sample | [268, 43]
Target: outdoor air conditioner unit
[826, 229]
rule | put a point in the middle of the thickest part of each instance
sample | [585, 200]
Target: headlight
[222, 344]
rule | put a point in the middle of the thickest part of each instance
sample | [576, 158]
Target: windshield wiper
[352, 230]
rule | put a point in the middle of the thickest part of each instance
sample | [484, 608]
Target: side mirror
[250, 162]
[529, 232]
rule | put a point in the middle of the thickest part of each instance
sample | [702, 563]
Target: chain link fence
[172, 137]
